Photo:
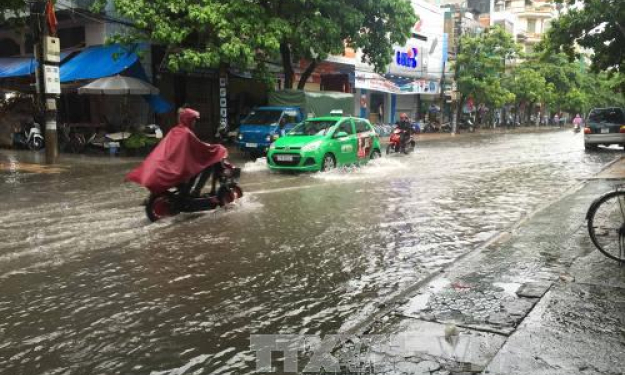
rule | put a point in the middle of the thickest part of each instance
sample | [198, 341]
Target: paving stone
[534, 289]
[414, 338]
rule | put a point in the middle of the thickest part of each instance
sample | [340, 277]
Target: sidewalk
[427, 137]
[537, 300]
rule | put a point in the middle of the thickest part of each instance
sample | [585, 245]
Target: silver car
[604, 126]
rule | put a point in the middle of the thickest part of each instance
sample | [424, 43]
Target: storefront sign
[223, 101]
[376, 82]
[408, 58]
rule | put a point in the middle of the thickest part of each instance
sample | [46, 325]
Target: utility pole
[442, 96]
[456, 115]
[47, 76]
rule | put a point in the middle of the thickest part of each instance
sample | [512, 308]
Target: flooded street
[89, 286]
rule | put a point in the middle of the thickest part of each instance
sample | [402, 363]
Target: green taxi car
[323, 143]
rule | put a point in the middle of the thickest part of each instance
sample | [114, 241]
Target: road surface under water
[89, 286]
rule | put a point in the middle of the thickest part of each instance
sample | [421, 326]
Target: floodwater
[89, 286]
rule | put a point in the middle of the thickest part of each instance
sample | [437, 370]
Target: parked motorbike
[30, 137]
[395, 143]
[179, 199]
[446, 128]
[466, 124]
[431, 128]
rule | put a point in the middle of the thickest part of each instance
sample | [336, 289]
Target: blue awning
[98, 62]
[12, 67]
[159, 104]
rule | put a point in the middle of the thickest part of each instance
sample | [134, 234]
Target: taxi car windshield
[312, 128]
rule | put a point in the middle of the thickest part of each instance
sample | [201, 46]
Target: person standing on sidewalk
[556, 119]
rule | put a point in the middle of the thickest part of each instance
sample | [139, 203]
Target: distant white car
[604, 126]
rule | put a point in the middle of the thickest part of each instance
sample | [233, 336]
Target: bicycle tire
[609, 247]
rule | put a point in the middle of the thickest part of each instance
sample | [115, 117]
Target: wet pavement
[90, 287]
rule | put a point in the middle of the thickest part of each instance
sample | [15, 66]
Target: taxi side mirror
[340, 135]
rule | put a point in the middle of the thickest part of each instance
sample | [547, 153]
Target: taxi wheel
[328, 162]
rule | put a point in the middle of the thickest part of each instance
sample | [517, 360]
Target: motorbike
[446, 128]
[430, 128]
[576, 128]
[30, 137]
[179, 199]
[467, 124]
[395, 143]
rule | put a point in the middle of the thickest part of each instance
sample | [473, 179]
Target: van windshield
[607, 116]
[312, 128]
[265, 117]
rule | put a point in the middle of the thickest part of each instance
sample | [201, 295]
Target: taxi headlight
[272, 146]
[311, 146]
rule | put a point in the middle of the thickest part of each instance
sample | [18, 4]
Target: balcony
[543, 11]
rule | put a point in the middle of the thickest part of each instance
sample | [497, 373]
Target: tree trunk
[458, 112]
[289, 74]
[307, 73]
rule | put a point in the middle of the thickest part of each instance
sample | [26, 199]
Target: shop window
[72, 37]
[8, 47]
[531, 26]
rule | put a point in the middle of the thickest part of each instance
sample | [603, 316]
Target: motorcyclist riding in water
[180, 159]
[406, 127]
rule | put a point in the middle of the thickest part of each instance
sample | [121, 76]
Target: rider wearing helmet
[406, 127]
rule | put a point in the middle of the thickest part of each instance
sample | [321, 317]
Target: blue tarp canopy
[12, 67]
[98, 62]
[17, 66]
[157, 102]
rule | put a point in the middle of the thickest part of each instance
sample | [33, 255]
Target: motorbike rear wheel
[35, 144]
[160, 206]
[228, 195]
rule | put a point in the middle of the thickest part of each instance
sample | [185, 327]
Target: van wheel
[329, 162]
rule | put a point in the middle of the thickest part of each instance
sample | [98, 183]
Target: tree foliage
[480, 66]
[598, 25]
[249, 33]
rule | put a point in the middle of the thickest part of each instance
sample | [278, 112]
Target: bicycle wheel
[606, 225]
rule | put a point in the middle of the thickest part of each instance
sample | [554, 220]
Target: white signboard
[51, 79]
[421, 56]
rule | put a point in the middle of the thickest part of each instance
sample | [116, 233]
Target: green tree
[480, 66]
[529, 87]
[249, 33]
[12, 9]
[598, 25]
[563, 76]
[318, 28]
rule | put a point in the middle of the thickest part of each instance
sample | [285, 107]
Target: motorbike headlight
[311, 146]
[268, 138]
[275, 136]
[272, 146]
[240, 136]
